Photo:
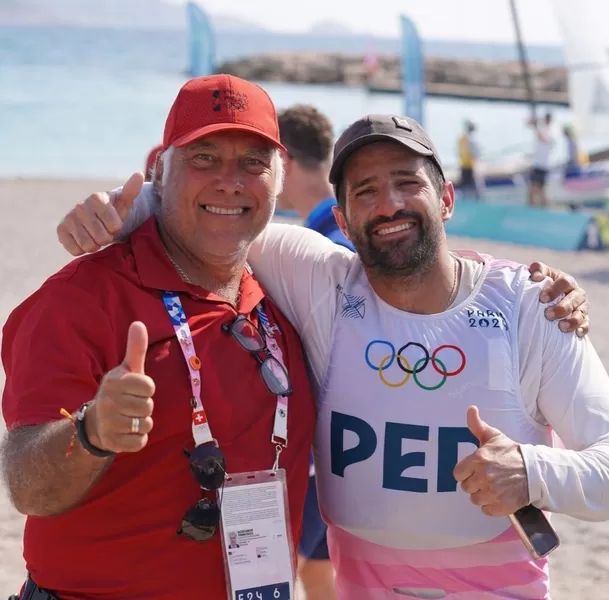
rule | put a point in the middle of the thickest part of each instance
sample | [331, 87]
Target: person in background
[308, 137]
[540, 166]
[469, 153]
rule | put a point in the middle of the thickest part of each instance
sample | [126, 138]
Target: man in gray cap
[438, 380]
[433, 369]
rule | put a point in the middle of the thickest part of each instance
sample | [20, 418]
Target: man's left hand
[494, 475]
[572, 310]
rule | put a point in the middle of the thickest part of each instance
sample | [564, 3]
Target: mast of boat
[523, 61]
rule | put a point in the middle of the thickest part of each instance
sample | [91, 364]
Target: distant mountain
[98, 13]
[329, 28]
[230, 23]
[132, 14]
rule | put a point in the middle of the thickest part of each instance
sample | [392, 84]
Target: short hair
[438, 181]
[307, 135]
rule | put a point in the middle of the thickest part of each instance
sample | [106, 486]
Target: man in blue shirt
[308, 136]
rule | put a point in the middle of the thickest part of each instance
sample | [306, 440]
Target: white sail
[586, 47]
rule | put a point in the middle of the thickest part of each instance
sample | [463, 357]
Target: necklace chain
[188, 279]
[178, 268]
[455, 288]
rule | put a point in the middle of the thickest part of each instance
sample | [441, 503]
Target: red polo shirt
[121, 541]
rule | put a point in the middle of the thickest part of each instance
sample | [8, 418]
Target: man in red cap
[174, 315]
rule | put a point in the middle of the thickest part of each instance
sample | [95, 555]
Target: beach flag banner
[201, 41]
[413, 76]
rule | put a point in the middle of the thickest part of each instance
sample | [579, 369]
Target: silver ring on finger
[135, 425]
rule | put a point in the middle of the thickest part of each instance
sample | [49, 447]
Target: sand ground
[29, 253]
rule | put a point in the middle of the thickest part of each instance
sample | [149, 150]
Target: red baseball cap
[222, 102]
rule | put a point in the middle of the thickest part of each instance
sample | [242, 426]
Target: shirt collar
[156, 271]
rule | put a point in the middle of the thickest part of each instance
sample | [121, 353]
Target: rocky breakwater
[475, 79]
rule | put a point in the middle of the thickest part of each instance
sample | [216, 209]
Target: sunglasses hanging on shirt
[208, 466]
[251, 339]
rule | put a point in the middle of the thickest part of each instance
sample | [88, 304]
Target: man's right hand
[124, 395]
[96, 221]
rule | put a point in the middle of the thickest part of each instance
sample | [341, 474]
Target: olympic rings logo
[412, 371]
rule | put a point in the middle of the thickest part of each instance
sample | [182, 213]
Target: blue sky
[470, 20]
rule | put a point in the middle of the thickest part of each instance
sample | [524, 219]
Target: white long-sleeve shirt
[562, 379]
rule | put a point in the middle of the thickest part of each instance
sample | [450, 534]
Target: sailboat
[587, 63]
[587, 53]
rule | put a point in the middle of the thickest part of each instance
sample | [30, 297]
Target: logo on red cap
[230, 99]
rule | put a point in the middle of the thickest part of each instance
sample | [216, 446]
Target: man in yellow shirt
[468, 155]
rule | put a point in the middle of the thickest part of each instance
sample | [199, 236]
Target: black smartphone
[535, 531]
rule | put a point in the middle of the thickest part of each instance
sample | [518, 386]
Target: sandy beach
[29, 253]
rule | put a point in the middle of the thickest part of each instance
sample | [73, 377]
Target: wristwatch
[82, 434]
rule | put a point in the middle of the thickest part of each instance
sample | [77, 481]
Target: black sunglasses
[250, 338]
[208, 466]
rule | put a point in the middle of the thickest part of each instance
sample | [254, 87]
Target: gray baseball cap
[378, 128]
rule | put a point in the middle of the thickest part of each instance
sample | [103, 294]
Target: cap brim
[349, 149]
[197, 134]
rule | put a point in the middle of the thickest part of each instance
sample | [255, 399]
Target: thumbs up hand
[94, 223]
[494, 475]
[120, 417]
[122, 200]
[483, 431]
